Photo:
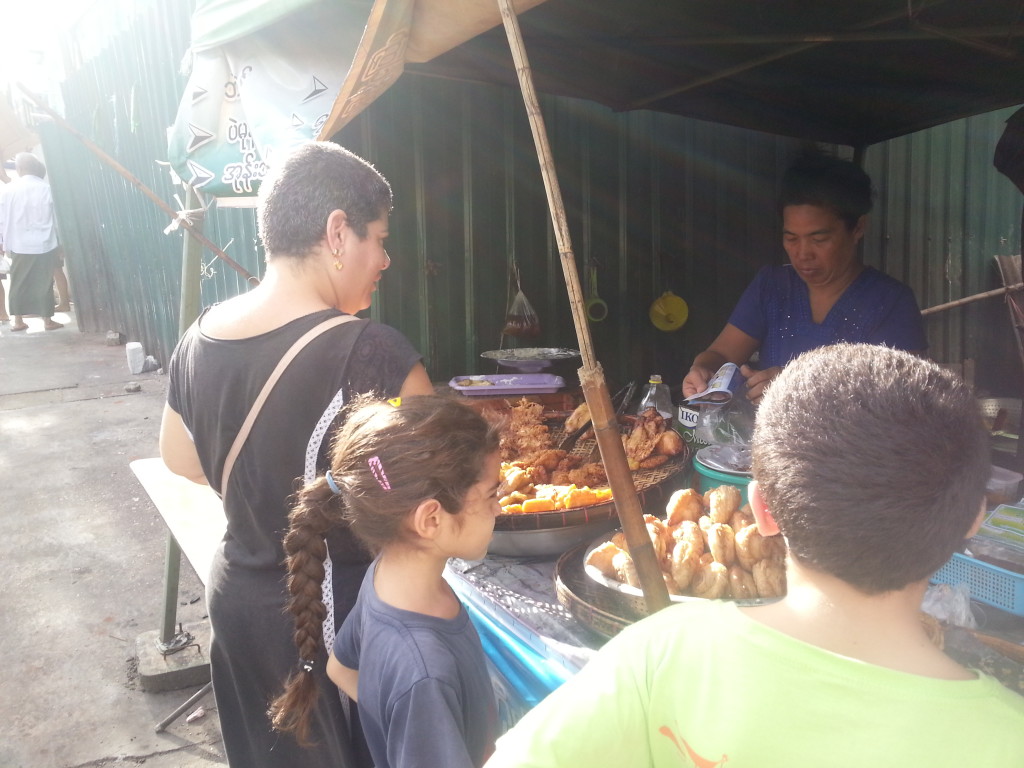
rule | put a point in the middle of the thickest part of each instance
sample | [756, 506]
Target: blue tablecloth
[532, 644]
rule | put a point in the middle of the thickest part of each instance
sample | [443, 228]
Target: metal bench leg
[162, 725]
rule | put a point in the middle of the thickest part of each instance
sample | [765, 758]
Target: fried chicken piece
[591, 474]
[669, 444]
[524, 432]
[722, 543]
[749, 546]
[601, 558]
[645, 435]
[741, 584]
[684, 504]
[722, 502]
[661, 538]
[769, 578]
[560, 477]
[684, 559]
[653, 462]
[740, 520]
[625, 569]
[711, 581]
[578, 417]
[549, 459]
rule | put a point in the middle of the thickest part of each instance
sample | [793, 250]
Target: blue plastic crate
[987, 583]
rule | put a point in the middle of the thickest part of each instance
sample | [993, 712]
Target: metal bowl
[549, 541]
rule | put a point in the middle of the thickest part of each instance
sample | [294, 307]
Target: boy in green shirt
[872, 463]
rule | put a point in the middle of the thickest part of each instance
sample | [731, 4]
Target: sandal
[52, 325]
[20, 327]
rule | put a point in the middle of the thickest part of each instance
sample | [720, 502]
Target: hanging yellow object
[668, 312]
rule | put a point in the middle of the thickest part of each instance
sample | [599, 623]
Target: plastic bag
[730, 423]
[521, 319]
[949, 604]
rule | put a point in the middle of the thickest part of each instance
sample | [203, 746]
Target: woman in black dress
[323, 220]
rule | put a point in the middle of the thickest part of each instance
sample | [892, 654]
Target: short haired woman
[323, 219]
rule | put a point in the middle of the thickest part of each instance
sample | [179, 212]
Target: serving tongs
[626, 393]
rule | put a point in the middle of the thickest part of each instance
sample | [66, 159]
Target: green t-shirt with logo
[702, 684]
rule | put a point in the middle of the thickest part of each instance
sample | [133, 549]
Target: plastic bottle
[657, 396]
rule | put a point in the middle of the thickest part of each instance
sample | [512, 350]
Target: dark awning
[850, 72]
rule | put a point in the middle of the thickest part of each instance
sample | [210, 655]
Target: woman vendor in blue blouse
[824, 295]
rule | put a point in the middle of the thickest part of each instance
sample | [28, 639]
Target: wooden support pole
[592, 380]
[975, 297]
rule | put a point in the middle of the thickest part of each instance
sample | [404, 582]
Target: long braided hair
[385, 460]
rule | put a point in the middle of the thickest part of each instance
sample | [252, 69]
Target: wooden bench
[195, 521]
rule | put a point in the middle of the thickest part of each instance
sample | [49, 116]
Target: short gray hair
[27, 164]
[309, 184]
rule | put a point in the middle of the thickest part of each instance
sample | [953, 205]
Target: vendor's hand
[757, 380]
[696, 381]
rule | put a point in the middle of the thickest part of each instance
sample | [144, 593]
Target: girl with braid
[416, 480]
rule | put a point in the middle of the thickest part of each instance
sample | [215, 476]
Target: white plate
[726, 458]
[529, 359]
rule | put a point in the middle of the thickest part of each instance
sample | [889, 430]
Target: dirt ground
[83, 549]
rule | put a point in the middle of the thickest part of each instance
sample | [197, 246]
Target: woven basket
[594, 607]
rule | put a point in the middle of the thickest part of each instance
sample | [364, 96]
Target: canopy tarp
[267, 74]
[852, 73]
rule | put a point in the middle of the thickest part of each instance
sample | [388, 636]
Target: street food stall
[547, 594]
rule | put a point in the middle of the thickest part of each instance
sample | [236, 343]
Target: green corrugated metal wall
[656, 202]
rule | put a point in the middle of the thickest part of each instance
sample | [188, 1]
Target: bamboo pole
[975, 297]
[135, 182]
[592, 380]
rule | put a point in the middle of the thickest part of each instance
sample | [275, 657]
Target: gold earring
[337, 264]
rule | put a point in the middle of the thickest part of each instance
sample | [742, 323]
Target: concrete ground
[83, 561]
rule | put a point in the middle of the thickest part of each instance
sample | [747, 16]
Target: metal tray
[548, 541]
[508, 384]
[529, 359]
[651, 486]
[634, 596]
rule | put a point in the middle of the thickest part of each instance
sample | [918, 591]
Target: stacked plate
[530, 359]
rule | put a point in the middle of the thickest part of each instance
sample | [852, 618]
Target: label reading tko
[686, 423]
[688, 417]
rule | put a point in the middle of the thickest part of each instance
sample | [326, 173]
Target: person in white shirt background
[28, 235]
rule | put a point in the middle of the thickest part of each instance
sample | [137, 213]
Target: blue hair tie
[331, 484]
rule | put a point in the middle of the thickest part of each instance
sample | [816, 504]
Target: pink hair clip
[377, 468]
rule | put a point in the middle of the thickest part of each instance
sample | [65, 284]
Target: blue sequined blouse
[875, 309]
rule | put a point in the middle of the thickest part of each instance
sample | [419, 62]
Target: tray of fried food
[543, 486]
[552, 489]
[707, 547]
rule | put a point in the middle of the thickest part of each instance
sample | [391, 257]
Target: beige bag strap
[243, 432]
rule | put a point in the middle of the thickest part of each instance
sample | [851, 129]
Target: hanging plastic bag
[521, 319]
